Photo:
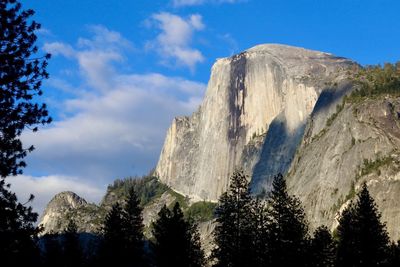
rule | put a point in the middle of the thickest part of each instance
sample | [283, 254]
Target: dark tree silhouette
[176, 241]
[394, 254]
[362, 237]
[347, 238]
[113, 248]
[21, 75]
[287, 227]
[133, 221]
[53, 254]
[259, 233]
[17, 230]
[322, 248]
[72, 250]
[234, 234]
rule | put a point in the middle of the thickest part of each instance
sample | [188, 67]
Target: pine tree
[21, 74]
[373, 237]
[259, 233]
[72, 252]
[53, 254]
[113, 248]
[322, 248]
[362, 237]
[133, 221]
[288, 231]
[394, 255]
[176, 241]
[17, 230]
[233, 233]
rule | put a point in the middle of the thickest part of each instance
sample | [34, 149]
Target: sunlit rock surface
[253, 115]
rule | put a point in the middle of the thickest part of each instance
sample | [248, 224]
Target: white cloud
[95, 55]
[174, 40]
[58, 48]
[181, 3]
[114, 123]
[45, 187]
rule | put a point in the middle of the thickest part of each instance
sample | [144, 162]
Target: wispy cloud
[173, 43]
[180, 3]
[115, 121]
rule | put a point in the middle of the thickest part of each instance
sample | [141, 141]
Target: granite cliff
[253, 115]
[270, 109]
[360, 142]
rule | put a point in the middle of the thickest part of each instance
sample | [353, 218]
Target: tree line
[249, 231]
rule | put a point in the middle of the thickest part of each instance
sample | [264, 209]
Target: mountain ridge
[280, 109]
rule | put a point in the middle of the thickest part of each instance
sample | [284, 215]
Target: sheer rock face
[253, 115]
[331, 163]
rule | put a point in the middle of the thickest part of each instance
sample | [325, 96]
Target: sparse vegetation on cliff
[373, 81]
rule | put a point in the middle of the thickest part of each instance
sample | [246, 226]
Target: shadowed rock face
[330, 165]
[267, 110]
[253, 115]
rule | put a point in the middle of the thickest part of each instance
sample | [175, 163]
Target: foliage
[362, 237]
[201, 211]
[52, 252]
[370, 82]
[21, 75]
[287, 226]
[133, 220]
[339, 108]
[370, 166]
[147, 188]
[123, 240]
[233, 232]
[322, 248]
[176, 241]
[373, 81]
[113, 248]
[72, 250]
[394, 254]
[182, 200]
[17, 229]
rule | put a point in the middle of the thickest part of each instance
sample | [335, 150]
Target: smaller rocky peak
[66, 199]
[54, 217]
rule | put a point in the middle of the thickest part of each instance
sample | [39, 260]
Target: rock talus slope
[253, 115]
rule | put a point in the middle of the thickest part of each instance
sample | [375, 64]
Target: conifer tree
[21, 74]
[113, 248]
[322, 248]
[394, 254]
[53, 254]
[259, 233]
[72, 252]
[133, 221]
[176, 241]
[233, 233]
[374, 239]
[362, 237]
[288, 231]
[17, 230]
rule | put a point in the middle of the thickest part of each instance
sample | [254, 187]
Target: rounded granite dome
[61, 204]
[286, 50]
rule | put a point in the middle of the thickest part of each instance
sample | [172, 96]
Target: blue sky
[121, 70]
